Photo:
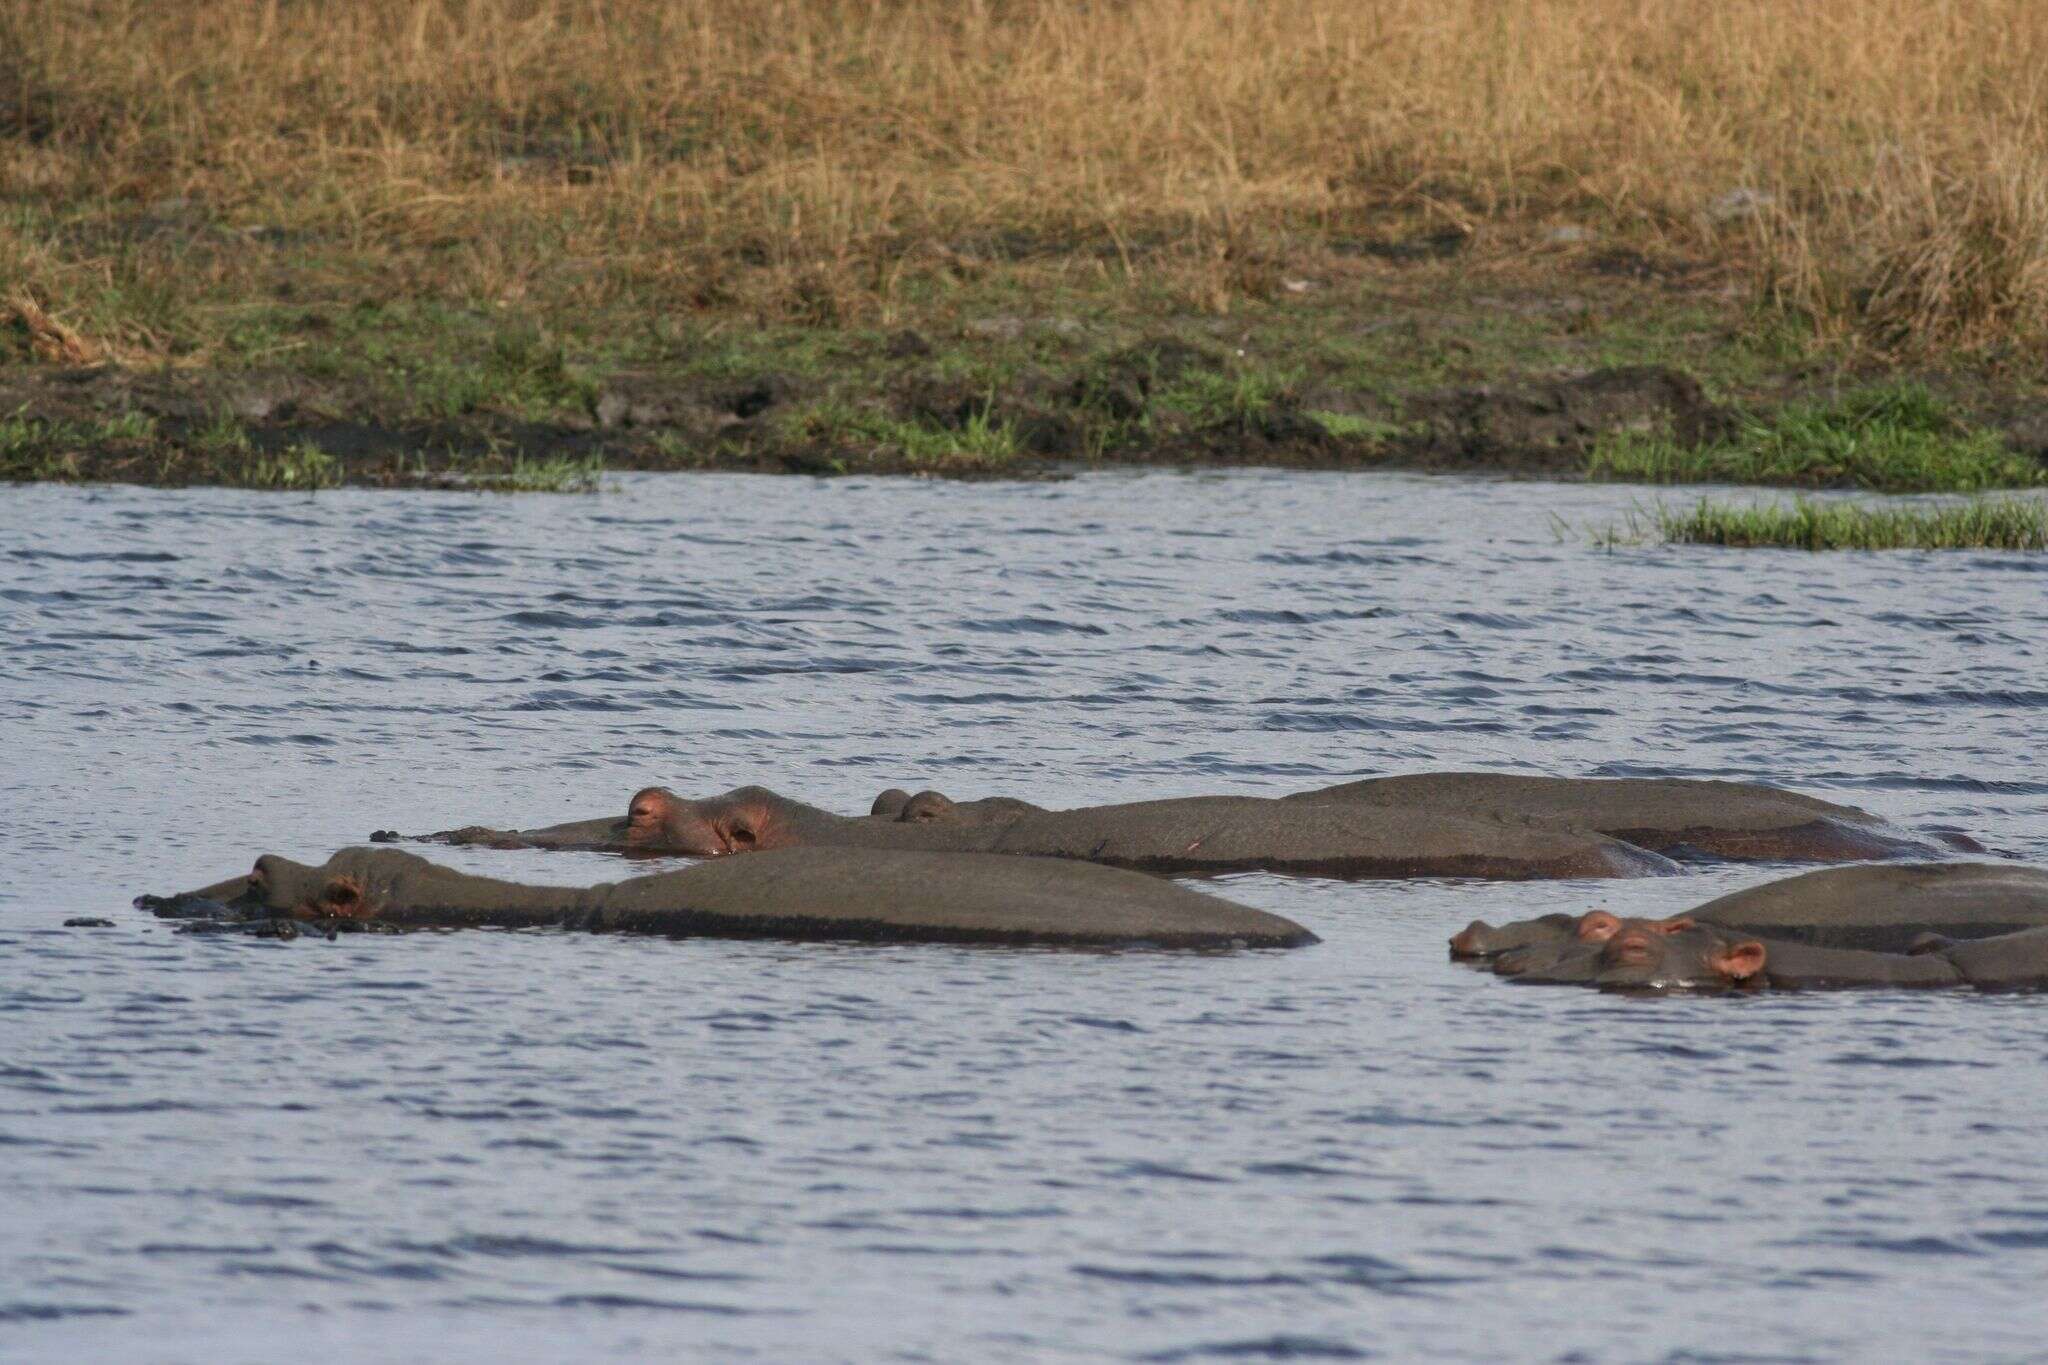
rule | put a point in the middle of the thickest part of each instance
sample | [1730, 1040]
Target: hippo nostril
[1630, 948]
[1471, 940]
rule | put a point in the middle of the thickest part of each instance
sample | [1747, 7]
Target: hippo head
[297, 891]
[1639, 954]
[1480, 939]
[1666, 954]
[741, 821]
[1562, 945]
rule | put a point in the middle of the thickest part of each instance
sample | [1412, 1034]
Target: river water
[556, 1146]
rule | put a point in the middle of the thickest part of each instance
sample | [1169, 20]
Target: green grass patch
[431, 360]
[1807, 524]
[1894, 439]
[32, 449]
[302, 465]
[557, 474]
[1347, 426]
[1223, 399]
[221, 436]
[220, 451]
[983, 441]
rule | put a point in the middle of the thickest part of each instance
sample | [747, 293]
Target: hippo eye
[743, 837]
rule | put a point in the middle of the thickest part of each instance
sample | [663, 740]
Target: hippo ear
[890, 803]
[1597, 926]
[1739, 961]
[926, 807]
[1677, 924]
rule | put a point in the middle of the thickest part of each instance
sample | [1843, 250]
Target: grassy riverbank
[423, 239]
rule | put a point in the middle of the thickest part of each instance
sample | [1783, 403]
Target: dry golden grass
[48, 338]
[825, 159]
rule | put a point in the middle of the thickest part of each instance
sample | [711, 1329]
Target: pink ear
[1597, 926]
[1675, 925]
[1740, 961]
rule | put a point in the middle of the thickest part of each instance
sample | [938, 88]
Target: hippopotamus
[875, 895]
[1732, 821]
[1682, 954]
[1877, 907]
[1206, 834]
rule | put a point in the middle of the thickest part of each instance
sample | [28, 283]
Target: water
[560, 1146]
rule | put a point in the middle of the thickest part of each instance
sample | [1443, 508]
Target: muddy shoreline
[182, 427]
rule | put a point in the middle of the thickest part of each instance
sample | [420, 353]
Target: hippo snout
[1632, 947]
[1474, 940]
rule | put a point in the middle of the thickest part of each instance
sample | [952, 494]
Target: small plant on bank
[1225, 400]
[1346, 426]
[1892, 439]
[981, 442]
[1808, 524]
[556, 474]
[220, 435]
[302, 465]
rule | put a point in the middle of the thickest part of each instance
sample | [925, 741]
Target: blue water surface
[559, 1146]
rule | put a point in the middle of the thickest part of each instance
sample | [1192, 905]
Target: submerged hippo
[1682, 954]
[1917, 923]
[1884, 907]
[1737, 821]
[1205, 834]
[871, 895]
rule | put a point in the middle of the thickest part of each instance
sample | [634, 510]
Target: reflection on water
[566, 1146]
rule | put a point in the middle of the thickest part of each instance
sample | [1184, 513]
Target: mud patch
[1550, 425]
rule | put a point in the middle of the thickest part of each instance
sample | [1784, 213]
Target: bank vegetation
[218, 183]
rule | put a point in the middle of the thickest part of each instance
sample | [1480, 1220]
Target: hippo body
[1236, 833]
[1683, 817]
[1883, 906]
[800, 893]
[1734, 821]
[1654, 955]
[1208, 834]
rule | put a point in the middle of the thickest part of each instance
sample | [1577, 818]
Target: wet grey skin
[1686, 817]
[1646, 955]
[1194, 835]
[804, 894]
[1881, 908]
[1733, 821]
